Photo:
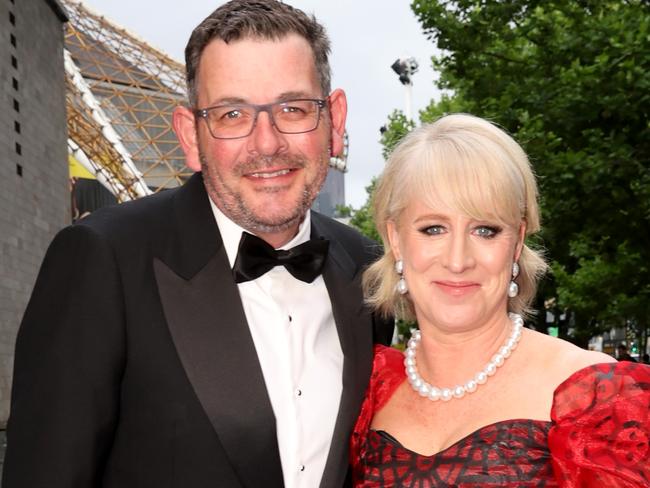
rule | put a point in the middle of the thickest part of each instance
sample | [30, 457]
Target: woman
[486, 402]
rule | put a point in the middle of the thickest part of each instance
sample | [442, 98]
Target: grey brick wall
[34, 205]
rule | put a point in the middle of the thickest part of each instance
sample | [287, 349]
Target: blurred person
[622, 354]
[212, 335]
[477, 399]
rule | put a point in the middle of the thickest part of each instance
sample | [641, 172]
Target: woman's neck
[446, 357]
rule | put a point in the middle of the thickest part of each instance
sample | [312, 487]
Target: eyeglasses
[236, 120]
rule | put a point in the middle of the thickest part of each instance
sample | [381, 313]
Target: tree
[570, 79]
[362, 219]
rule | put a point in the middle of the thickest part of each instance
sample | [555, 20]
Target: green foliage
[570, 79]
[362, 218]
[396, 128]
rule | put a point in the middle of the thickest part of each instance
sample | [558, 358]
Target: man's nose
[266, 139]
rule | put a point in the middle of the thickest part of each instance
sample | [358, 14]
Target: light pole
[405, 69]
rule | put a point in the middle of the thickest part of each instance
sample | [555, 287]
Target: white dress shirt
[298, 347]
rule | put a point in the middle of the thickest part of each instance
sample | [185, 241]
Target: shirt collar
[231, 233]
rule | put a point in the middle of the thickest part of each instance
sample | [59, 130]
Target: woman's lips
[457, 288]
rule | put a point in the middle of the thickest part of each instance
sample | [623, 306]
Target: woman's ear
[393, 239]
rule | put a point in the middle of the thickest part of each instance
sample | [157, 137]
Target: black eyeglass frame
[320, 105]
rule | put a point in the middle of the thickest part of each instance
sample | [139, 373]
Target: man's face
[265, 182]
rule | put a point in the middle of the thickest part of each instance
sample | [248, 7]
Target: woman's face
[457, 268]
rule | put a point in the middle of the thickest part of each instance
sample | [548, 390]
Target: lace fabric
[597, 437]
[601, 427]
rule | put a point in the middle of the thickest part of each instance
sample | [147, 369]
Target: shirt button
[301, 468]
[298, 392]
[290, 318]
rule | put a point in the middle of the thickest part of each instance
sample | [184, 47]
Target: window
[19, 170]
[17, 127]
[14, 62]
[14, 83]
[19, 149]
[16, 105]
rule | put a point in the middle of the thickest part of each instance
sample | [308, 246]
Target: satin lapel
[353, 323]
[209, 329]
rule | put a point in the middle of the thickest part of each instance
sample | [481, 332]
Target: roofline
[58, 10]
[119, 28]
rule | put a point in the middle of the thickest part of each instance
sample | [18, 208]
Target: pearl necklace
[445, 394]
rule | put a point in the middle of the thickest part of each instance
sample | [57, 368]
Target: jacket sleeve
[68, 367]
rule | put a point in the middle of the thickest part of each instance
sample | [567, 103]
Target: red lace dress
[597, 437]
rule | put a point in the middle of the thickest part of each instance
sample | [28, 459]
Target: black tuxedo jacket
[135, 366]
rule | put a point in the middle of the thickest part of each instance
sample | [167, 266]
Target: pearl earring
[513, 288]
[401, 284]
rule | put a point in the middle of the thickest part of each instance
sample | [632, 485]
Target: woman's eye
[433, 230]
[487, 231]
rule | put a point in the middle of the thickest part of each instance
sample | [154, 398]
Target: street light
[405, 69]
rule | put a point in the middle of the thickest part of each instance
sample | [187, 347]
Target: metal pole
[408, 111]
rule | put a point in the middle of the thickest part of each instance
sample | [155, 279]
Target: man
[622, 354]
[164, 346]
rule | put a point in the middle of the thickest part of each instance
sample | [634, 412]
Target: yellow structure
[120, 96]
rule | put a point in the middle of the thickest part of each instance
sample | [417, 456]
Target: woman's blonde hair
[470, 165]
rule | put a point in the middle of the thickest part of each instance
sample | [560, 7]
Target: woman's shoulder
[386, 356]
[601, 425]
[387, 373]
[560, 359]
[601, 385]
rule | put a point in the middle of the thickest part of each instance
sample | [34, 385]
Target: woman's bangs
[467, 182]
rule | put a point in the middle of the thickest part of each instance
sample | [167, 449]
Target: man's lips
[457, 288]
[270, 173]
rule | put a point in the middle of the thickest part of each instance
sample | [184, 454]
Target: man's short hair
[256, 19]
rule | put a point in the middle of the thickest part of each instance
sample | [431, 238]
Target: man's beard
[232, 204]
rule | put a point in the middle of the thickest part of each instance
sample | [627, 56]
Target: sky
[367, 37]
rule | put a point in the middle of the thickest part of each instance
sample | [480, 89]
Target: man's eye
[232, 114]
[433, 230]
[292, 109]
[487, 231]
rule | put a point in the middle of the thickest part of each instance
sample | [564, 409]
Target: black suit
[135, 366]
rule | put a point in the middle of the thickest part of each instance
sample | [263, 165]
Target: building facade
[34, 194]
[332, 195]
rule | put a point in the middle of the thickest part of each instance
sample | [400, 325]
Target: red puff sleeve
[387, 374]
[601, 427]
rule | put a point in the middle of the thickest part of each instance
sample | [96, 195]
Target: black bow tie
[255, 257]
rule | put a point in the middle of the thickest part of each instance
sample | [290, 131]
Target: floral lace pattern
[601, 426]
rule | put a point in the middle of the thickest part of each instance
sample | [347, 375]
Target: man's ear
[393, 239]
[184, 124]
[338, 108]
